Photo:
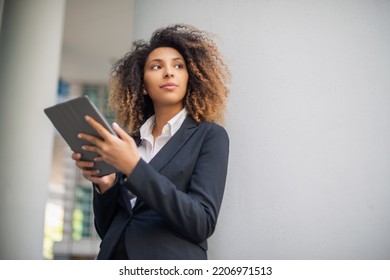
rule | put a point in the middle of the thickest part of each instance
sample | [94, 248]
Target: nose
[168, 72]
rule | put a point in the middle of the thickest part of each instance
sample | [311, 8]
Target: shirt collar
[169, 129]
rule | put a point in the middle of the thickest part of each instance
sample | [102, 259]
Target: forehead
[164, 53]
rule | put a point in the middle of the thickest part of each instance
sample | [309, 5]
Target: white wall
[309, 123]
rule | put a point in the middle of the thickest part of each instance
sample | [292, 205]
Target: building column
[30, 48]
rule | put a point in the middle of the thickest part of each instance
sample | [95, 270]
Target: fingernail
[83, 147]
[79, 135]
[87, 118]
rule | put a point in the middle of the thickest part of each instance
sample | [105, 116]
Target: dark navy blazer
[179, 195]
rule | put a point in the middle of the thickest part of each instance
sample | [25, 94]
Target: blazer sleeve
[105, 208]
[193, 214]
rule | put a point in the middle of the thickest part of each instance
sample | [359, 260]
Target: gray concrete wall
[30, 46]
[309, 123]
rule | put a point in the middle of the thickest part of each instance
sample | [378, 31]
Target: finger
[120, 132]
[76, 156]
[88, 174]
[100, 158]
[85, 164]
[92, 139]
[104, 133]
[90, 148]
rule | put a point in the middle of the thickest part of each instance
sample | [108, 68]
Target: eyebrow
[160, 60]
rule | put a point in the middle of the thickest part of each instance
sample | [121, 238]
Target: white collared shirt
[149, 146]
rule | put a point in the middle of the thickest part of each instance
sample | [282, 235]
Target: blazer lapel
[174, 144]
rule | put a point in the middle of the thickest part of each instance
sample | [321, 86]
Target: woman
[172, 156]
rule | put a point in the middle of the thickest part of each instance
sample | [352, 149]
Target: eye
[156, 67]
[179, 66]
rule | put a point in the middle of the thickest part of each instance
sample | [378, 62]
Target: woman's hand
[104, 182]
[121, 152]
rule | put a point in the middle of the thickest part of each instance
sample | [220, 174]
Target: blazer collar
[177, 141]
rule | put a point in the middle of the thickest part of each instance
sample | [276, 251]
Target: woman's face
[166, 77]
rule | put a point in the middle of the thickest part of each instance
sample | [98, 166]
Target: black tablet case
[69, 119]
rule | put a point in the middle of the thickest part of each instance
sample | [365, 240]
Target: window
[69, 221]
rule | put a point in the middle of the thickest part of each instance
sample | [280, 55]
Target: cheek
[148, 81]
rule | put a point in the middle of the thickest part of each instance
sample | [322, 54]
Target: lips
[169, 86]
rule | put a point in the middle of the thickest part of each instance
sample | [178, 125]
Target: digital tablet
[69, 120]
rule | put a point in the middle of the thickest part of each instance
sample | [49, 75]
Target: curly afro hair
[206, 95]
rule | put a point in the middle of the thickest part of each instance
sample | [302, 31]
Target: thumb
[119, 131]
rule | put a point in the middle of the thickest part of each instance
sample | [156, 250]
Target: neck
[163, 115]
